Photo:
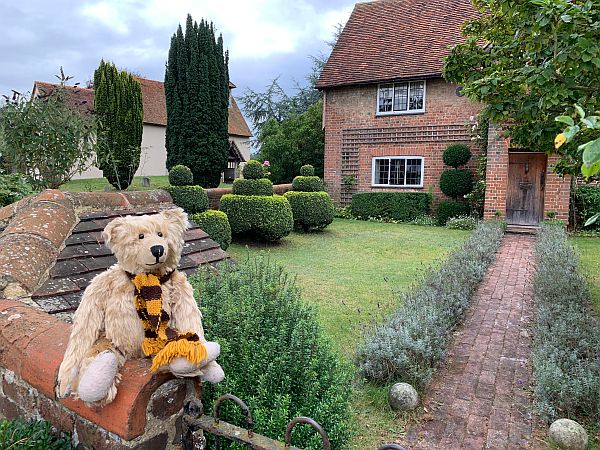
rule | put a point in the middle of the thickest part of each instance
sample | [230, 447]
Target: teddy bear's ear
[177, 219]
[114, 231]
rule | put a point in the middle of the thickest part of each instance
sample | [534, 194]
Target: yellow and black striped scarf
[161, 341]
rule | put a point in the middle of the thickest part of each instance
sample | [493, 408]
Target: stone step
[522, 229]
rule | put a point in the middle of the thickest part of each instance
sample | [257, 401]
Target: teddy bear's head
[144, 244]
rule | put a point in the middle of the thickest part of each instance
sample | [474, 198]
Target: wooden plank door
[525, 192]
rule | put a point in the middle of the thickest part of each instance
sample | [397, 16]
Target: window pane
[413, 172]
[400, 96]
[397, 172]
[416, 95]
[385, 97]
[382, 171]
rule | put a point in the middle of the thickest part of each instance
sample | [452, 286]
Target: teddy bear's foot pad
[98, 378]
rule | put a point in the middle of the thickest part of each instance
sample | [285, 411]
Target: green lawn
[99, 184]
[589, 248]
[350, 272]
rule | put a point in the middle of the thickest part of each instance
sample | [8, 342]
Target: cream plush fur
[106, 328]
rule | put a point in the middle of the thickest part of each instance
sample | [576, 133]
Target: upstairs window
[401, 98]
[404, 171]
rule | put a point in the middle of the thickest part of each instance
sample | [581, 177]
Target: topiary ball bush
[181, 175]
[457, 155]
[456, 182]
[307, 170]
[401, 206]
[307, 184]
[253, 170]
[274, 353]
[193, 199]
[449, 209]
[312, 210]
[269, 217]
[260, 186]
[216, 225]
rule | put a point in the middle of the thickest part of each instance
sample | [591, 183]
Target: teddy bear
[141, 306]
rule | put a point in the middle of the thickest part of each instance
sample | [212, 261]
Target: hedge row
[566, 344]
[402, 206]
[449, 209]
[216, 225]
[312, 210]
[270, 217]
[414, 340]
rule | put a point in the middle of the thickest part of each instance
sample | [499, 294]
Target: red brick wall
[350, 122]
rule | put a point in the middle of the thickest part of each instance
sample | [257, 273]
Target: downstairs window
[398, 171]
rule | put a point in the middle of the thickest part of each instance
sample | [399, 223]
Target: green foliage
[414, 340]
[32, 435]
[47, 139]
[193, 199]
[424, 220]
[181, 175]
[462, 223]
[274, 353]
[449, 209]
[216, 224]
[120, 113]
[456, 182]
[197, 99]
[307, 184]
[587, 203]
[292, 142]
[13, 187]
[269, 217]
[312, 210]
[401, 206]
[253, 170]
[260, 186]
[565, 359]
[457, 155]
[307, 170]
[540, 58]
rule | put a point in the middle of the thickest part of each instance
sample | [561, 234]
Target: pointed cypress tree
[119, 111]
[197, 99]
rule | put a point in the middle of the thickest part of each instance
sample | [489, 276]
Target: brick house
[388, 114]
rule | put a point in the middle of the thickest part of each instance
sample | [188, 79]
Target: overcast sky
[265, 38]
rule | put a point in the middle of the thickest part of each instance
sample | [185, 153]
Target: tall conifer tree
[120, 113]
[197, 98]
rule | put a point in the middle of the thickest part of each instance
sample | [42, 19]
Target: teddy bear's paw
[213, 373]
[213, 350]
[98, 380]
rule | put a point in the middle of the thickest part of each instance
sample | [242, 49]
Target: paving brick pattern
[480, 399]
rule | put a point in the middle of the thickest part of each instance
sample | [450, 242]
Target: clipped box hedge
[269, 217]
[260, 186]
[449, 209]
[193, 199]
[307, 184]
[216, 224]
[402, 206]
[312, 210]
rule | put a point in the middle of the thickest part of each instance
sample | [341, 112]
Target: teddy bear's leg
[99, 374]
[181, 367]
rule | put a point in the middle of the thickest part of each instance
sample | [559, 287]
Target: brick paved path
[480, 398]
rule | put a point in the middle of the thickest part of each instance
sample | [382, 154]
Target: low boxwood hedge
[269, 217]
[402, 206]
[312, 210]
[193, 199]
[307, 184]
[258, 186]
[456, 182]
[216, 224]
[449, 209]
[181, 175]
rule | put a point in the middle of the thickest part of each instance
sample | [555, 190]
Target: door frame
[542, 195]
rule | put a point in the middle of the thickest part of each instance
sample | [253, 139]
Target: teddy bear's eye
[159, 234]
[141, 236]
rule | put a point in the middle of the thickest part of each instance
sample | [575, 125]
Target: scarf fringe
[194, 352]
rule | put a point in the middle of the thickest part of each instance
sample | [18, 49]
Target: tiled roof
[153, 98]
[395, 39]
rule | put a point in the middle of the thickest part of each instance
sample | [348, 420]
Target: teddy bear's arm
[88, 322]
[185, 314]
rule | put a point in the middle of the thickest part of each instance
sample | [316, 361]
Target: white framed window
[398, 171]
[401, 98]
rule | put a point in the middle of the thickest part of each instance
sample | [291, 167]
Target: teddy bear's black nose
[157, 251]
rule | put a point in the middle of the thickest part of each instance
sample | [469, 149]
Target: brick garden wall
[354, 135]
